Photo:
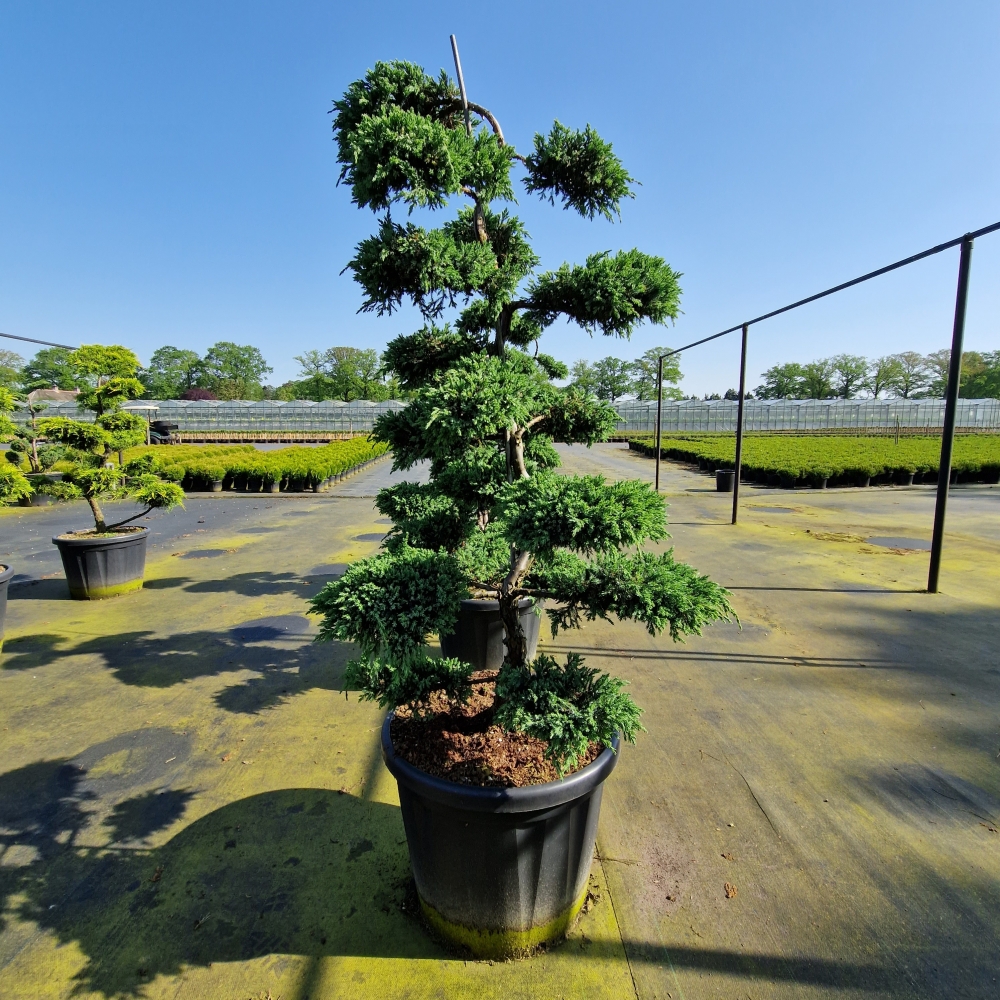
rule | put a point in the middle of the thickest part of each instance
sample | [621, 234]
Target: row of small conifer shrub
[836, 460]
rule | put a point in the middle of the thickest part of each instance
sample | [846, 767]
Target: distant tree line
[907, 375]
[613, 378]
[226, 371]
[234, 371]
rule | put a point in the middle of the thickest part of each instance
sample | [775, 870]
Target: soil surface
[461, 743]
[91, 533]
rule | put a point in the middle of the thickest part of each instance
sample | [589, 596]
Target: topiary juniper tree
[495, 520]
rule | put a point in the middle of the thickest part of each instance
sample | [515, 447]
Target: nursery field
[241, 466]
[834, 460]
[191, 807]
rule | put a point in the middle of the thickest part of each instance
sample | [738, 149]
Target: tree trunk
[517, 645]
[98, 514]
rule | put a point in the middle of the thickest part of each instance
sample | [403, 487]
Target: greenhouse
[217, 419]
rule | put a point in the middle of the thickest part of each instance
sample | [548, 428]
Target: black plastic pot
[478, 635]
[499, 871]
[725, 480]
[103, 566]
[217, 485]
[6, 572]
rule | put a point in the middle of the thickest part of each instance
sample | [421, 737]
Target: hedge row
[242, 467]
[778, 460]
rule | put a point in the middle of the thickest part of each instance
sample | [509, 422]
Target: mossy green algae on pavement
[152, 737]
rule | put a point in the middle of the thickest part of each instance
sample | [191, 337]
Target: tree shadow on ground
[39, 590]
[257, 584]
[286, 664]
[297, 871]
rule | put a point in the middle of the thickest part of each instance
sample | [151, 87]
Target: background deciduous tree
[233, 371]
[170, 373]
[781, 382]
[911, 374]
[850, 372]
[644, 375]
[11, 364]
[50, 368]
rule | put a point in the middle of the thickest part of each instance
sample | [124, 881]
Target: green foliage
[568, 706]
[432, 268]
[402, 156]
[171, 372]
[153, 492]
[101, 483]
[609, 294]
[198, 466]
[51, 367]
[417, 357]
[345, 373]
[840, 459]
[233, 371]
[425, 517]
[389, 86]
[581, 513]
[7, 405]
[14, 485]
[576, 418]
[124, 429]
[410, 681]
[11, 366]
[468, 404]
[612, 378]
[109, 395]
[644, 371]
[980, 375]
[74, 433]
[99, 362]
[58, 490]
[552, 367]
[580, 168]
[653, 589]
[390, 604]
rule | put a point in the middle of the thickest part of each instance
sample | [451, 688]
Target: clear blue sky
[167, 172]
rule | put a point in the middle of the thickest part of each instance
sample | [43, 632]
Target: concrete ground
[189, 806]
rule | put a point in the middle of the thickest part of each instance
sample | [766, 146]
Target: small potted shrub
[108, 559]
[499, 754]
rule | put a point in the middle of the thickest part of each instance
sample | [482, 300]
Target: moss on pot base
[486, 943]
[100, 593]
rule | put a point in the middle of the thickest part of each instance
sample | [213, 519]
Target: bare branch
[134, 517]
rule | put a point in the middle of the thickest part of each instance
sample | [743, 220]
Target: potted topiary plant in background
[499, 754]
[108, 559]
[14, 487]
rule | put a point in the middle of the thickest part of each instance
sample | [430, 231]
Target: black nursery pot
[6, 572]
[478, 635]
[500, 871]
[725, 480]
[103, 566]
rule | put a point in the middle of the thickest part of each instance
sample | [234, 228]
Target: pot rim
[6, 573]
[489, 604]
[477, 798]
[87, 538]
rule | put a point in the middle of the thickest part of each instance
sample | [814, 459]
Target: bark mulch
[461, 743]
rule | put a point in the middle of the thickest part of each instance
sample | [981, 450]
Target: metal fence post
[950, 409]
[659, 414]
[738, 464]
